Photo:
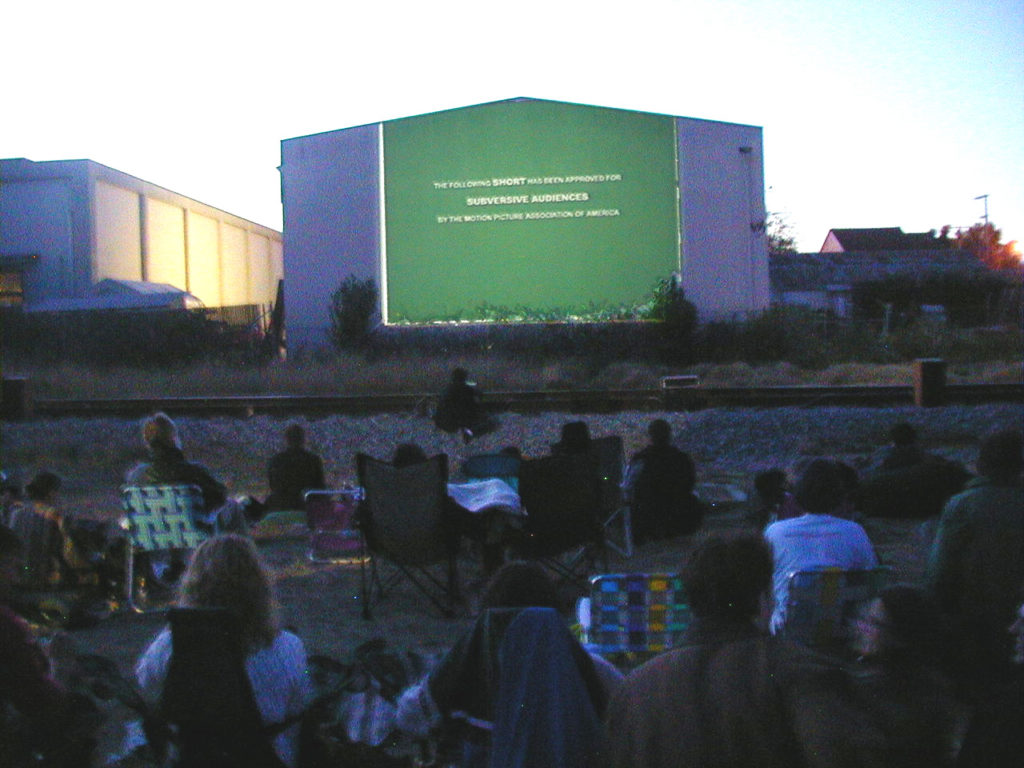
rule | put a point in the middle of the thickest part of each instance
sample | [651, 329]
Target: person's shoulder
[138, 473]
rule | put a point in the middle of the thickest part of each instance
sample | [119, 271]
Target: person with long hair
[227, 572]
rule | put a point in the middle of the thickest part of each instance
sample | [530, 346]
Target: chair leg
[365, 585]
[129, 576]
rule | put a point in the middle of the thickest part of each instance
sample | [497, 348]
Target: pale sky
[876, 113]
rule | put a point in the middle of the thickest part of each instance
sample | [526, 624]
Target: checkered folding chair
[639, 614]
[823, 603]
[158, 519]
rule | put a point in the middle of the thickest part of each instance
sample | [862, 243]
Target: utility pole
[985, 198]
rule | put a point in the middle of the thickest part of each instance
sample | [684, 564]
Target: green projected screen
[527, 211]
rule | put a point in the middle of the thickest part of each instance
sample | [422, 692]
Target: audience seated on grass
[42, 722]
[517, 689]
[819, 538]
[899, 684]
[907, 482]
[167, 465]
[995, 736]
[52, 556]
[459, 409]
[976, 566]
[659, 486]
[718, 698]
[575, 438]
[292, 472]
[227, 572]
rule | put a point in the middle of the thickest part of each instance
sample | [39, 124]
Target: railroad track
[570, 401]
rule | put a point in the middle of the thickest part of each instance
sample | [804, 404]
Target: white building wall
[721, 186]
[331, 194]
[35, 220]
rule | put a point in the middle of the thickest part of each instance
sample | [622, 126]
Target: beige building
[68, 225]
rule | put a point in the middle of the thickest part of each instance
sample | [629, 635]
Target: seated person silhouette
[903, 480]
[459, 408]
[899, 683]
[660, 483]
[167, 465]
[52, 556]
[575, 439]
[43, 723]
[292, 472]
[904, 450]
[227, 572]
[821, 537]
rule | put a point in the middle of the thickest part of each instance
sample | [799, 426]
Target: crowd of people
[933, 674]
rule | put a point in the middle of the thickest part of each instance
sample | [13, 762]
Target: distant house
[883, 239]
[825, 280]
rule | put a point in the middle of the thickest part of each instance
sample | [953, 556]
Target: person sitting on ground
[659, 484]
[407, 454]
[899, 687]
[226, 571]
[905, 481]
[976, 563]
[53, 558]
[819, 538]
[167, 465]
[42, 723]
[459, 408]
[464, 689]
[904, 450]
[775, 498]
[292, 472]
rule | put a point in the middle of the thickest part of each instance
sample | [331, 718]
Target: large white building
[339, 218]
[72, 229]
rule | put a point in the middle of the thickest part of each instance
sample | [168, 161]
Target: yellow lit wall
[260, 270]
[203, 259]
[118, 234]
[234, 267]
[165, 243]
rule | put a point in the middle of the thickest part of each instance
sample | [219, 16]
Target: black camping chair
[405, 523]
[563, 526]
[207, 697]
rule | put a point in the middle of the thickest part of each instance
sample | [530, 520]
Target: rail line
[570, 401]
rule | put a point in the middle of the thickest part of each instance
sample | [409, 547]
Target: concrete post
[929, 382]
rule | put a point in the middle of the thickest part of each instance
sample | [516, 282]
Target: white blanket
[486, 495]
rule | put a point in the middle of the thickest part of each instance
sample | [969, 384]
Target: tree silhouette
[985, 242]
[780, 234]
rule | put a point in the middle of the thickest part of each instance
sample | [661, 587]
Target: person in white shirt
[819, 538]
[227, 572]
